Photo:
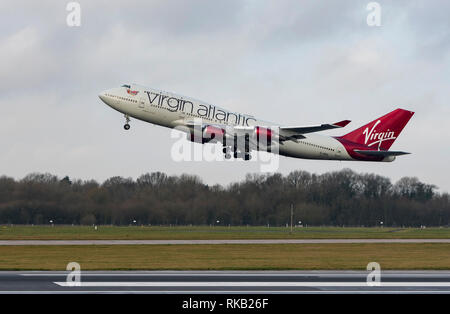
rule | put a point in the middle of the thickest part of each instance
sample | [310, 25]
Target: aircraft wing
[282, 133]
[382, 153]
[296, 132]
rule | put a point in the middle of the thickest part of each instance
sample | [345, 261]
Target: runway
[224, 282]
[246, 241]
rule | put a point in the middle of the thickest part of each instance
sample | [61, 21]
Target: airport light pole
[292, 215]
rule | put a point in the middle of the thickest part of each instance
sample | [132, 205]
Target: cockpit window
[127, 86]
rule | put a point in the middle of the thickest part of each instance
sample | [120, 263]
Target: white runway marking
[173, 282]
[250, 284]
[202, 292]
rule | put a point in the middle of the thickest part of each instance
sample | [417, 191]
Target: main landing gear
[237, 154]
[226, 152]
[127, 126]
[234, 151]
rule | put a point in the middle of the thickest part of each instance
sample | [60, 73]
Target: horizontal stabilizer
[381, 153]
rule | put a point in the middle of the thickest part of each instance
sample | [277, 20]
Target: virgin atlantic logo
[377, 137]
[132, 92]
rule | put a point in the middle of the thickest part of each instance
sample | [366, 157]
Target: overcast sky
[290, 62]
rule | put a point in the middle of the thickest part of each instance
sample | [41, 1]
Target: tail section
[381, 133]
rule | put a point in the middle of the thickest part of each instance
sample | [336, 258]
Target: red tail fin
[382, 132]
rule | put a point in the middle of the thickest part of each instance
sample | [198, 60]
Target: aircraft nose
[102, 96]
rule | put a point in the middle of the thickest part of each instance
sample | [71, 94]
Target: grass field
[217, 257]
[239, 256]
[206, 232]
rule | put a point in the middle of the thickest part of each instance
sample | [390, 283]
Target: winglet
[341, 124]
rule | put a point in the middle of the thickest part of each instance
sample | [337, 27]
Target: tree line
[342, 198]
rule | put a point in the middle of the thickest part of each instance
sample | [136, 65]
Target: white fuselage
[171, 110]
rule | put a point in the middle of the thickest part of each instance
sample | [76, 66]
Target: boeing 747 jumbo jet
[205, 123]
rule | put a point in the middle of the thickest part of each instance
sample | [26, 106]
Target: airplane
[240, 134]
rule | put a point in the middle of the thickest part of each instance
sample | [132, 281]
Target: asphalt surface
[259, 241]
[214, 282]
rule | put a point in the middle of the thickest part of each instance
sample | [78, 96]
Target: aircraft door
[145, 105]
[141, 102]
[338, 152]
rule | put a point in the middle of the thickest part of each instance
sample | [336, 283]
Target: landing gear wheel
[127, 120]
[227, 156]
[247, 157]
[226, 150]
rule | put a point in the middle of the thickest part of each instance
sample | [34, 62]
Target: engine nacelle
[195, 139]
[211, 132]
[265, 136]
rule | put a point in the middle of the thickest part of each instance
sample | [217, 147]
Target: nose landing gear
[127, 126]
